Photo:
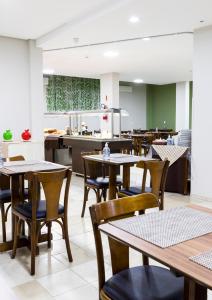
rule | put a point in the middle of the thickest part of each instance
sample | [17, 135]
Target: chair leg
[98, 196]
[68, 248]
[161, 207]
[86, 191]
[33, 246]
[16, 236]
[49, 226]
[104, 194]
[3, 217]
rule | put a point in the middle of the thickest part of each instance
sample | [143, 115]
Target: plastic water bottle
[106, 151]
[169, 140]
[1, 158]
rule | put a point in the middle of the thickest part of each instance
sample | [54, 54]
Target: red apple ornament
[26, 135]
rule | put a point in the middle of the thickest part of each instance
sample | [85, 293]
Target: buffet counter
[75, 145]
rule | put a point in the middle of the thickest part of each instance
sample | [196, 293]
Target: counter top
[93, 138]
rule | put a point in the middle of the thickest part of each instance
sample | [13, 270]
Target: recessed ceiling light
[48, 71]
[138, 80]
[146, 39]
[111, 53]
[134, 19]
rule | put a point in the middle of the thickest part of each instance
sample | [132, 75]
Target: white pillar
[36, 101]
[201, 117]
[182, 105]
[109, 92]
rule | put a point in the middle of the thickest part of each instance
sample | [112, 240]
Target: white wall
[14, 82]
[21, 92]
[182, 105]
[201, 118]
[135, 104]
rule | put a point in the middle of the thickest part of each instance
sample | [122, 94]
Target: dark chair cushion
[134, 191]
[145, 283]
[5, 196]
[101, 182]
[26, 209]
[26, 193]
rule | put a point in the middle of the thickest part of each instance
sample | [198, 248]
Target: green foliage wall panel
[64, 93]
[161, 106]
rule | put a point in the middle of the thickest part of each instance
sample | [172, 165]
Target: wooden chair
[38, 213]
[158, 173]
[95, 179]
[137, 283]
[146, 144]
[5, 197]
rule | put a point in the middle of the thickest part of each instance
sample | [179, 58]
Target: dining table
[186, 253]
[116, 160]
[16, 171]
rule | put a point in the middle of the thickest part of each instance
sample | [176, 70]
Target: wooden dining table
[117, 159]
[197, 278]
[16, 171]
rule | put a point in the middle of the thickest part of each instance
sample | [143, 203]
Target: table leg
[194, 291]
[112, 182]
[126, 177]
[15, 190]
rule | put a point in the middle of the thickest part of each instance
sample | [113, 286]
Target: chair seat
[135, 190]
[145, 283]
[5, 195]
[26, 209]
[101, 182]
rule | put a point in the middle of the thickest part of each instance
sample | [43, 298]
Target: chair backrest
[158, 173]
[92, 169]
[52, 184]
[16, 158]
[112, 210]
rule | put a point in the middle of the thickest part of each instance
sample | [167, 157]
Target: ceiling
[77, 24]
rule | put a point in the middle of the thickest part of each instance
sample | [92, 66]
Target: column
[182, 105]
[36, 101]
[109, 92]
[201, 116]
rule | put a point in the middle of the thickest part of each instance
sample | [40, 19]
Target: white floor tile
[61, 282]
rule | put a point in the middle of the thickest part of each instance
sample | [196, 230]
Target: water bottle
[1, 158]
[106, 151]
[169, 140]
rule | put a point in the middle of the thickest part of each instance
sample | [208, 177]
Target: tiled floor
[55, 277]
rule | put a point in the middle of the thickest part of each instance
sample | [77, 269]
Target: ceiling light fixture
[134, 19]
[146, 39]
[111, 53]
[48, 71]
[138, 80]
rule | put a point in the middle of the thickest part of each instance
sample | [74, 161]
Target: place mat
[32, 167]
[119, 155]
[169, 227]
[18, 163]
[172, 153]
[204, 259]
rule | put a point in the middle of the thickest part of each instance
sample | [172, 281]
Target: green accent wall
[190, 103]
[65, 93]
[161, 106]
